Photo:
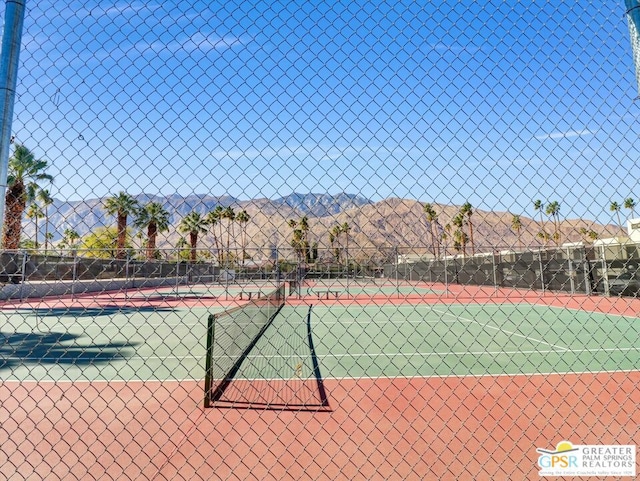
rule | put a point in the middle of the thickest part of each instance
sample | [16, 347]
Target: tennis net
[282, 371]
[230, 337]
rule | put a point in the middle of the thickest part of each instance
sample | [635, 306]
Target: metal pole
[633, 19]
[587, 272]
[74, 273]
[541, 270]
[494, 268]
[23, 267]
[446, 276]
[572, 282]
[177, 274]
[605, 273]
[572, 271]
[126, 278]
[211, 322]
[396, 269]
[347, 259]
[9, 57]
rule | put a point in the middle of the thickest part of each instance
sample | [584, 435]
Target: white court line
[539, 341]
[186, 356]
[480, 353]
[378, 354]
[440, 321]
[411, 354]
[95, 321]
[479, 376]
[81, 359]
[340, 378]
[628, 317]
[388, 322]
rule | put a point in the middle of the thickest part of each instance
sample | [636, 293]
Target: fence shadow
[90, 312]
[34, 348]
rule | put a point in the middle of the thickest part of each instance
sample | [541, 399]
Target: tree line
[460, 229]
[24, 192]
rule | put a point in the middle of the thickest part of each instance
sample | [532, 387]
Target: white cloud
[565, 135]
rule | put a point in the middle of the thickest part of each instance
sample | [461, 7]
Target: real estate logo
[587, 460]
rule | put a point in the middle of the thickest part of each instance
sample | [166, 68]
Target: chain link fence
[321, 240]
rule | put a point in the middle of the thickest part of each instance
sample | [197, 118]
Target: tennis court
[444, 195]
[350, 384]
[352, 340]
[366, 288]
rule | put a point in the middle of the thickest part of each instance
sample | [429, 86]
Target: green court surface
[151, 343]
[356, 290]
[122, 343]
[388, 288]
[217, 290]
[471, 339]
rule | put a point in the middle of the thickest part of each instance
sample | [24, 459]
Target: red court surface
[389, 428]
[442, 294]
[415, 428]
[621, 306]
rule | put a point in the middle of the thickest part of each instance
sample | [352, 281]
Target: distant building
[633, 230]
[620, 247]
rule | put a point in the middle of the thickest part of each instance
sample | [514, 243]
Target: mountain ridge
[389, 222]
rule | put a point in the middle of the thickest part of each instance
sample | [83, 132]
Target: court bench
[326, 294]
[249, 294]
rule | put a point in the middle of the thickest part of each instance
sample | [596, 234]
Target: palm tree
[297, 242]
[304, 227]
[230, 215]
[432, 218]
[539, 206]
[459, 236]
[544, 235]
[297, 239]
[345, 229]
[553, 209]
[630, 204]
[588, 235]
[335, 232]
[615, 207]
[155, 218]
[516, 225]
[446, 236]
[332, 240]
[69, 237]
[23, 174]
[48, 237]
[45, 198]
[35, 212]
[467, 210]
[193, 224]
[460, 239]
[180, 245]
[583, 232]
[243, 218]
[122, 206]
[214, 217]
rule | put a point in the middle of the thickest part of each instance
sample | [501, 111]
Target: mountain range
[390, 222]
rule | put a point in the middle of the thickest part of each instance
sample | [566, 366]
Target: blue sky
[498, 103]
